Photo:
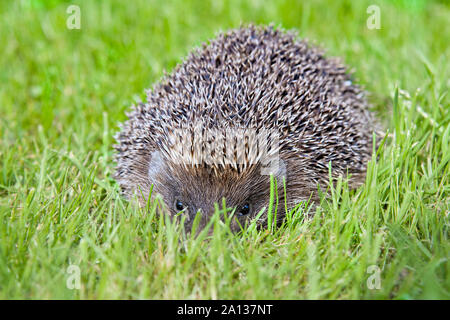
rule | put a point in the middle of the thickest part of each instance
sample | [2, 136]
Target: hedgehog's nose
[203, 219]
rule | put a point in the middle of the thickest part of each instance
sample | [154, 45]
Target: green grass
[62, 93]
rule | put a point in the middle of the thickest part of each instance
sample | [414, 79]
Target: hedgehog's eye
[244, 210]
[179, 205]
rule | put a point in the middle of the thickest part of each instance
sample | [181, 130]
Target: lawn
[67, 233]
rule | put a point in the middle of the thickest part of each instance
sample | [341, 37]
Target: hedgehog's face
[193, 190]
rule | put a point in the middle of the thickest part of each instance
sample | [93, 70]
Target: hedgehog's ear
[155, 166]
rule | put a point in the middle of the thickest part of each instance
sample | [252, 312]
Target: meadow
[67, 233]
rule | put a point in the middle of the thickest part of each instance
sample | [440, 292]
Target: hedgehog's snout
[204, 211]
[203, 215]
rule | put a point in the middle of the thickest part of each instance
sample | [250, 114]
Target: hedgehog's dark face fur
[198, 189]
[252, 77]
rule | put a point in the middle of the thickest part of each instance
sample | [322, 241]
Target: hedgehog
[253, 105]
